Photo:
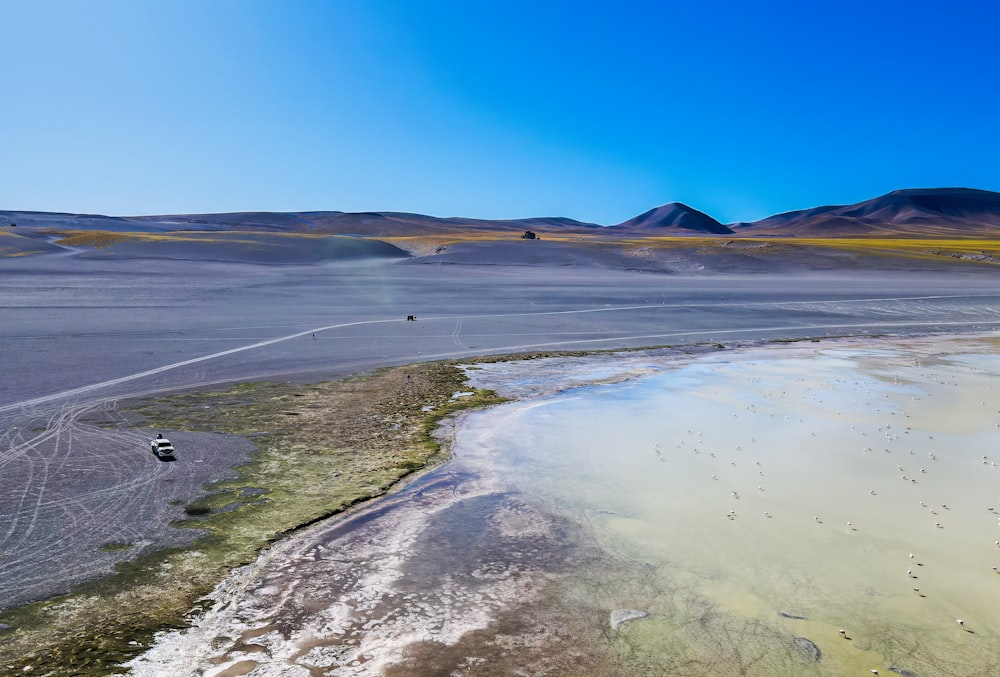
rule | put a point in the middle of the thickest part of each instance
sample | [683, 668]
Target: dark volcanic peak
[913, 212]
[675, 216]
[904, 206]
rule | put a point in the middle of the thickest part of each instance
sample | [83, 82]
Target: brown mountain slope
[369, 224]
[915, 213]
[920, 212]
[674, 219]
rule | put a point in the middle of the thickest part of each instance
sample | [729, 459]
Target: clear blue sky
[495, 109]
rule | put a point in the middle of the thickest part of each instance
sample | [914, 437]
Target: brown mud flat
[321, 449]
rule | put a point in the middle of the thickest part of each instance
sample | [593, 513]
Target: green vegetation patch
[347, 441]
[971, 249]
[115, 547]
[98, 239]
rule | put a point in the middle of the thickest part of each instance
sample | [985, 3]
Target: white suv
[161, 447]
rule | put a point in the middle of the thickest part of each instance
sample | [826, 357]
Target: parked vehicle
[162, 447]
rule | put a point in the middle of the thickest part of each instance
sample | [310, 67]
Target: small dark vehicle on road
[162, 447]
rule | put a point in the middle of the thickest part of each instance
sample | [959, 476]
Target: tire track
[83, 390]
[52, 516]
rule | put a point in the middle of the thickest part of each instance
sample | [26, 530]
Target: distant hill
[367, 224]
[389, 224]
[918, 212]
[922, 212]
[36, 220]
[673, 217]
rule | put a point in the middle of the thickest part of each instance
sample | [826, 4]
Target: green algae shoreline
[320, 449]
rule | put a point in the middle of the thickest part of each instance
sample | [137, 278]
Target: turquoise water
[755, 498]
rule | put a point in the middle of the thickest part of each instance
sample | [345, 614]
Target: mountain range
[926, 212]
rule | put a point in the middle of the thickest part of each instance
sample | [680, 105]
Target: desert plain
[284, 367]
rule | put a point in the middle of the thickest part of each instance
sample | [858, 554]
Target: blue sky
[505, 109]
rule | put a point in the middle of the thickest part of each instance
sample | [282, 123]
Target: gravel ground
[81, 336]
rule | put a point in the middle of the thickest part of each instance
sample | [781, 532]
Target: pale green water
[652, 466]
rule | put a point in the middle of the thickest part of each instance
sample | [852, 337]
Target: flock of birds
[879, 438]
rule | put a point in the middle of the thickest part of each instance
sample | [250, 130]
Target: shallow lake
[778, 494]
